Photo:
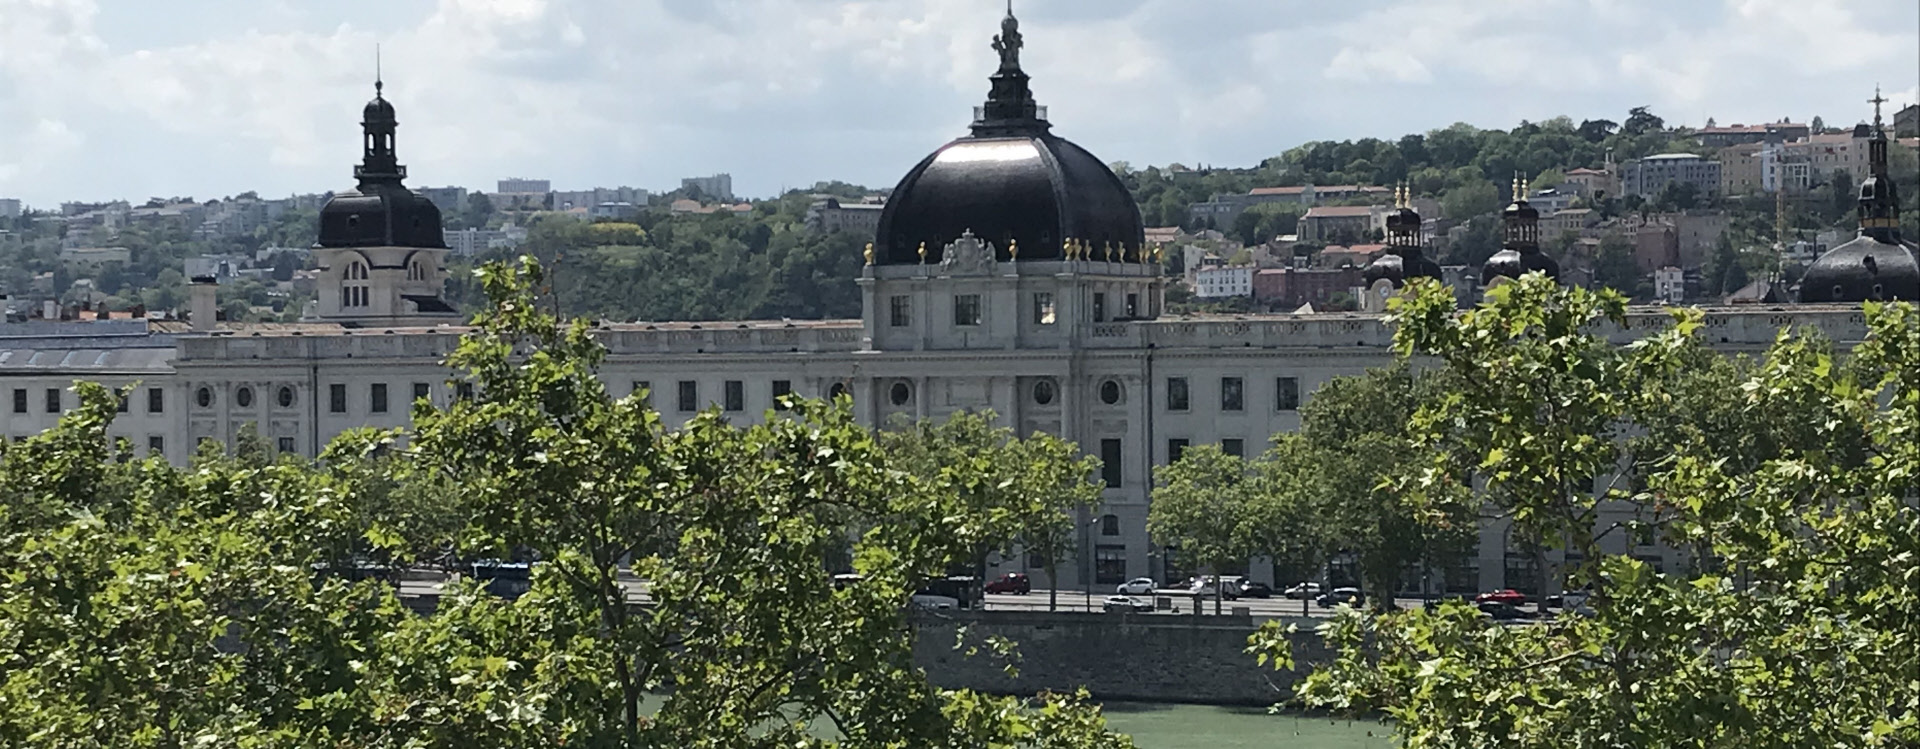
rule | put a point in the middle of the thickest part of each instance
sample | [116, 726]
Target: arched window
[1109, 525]
[355, 295]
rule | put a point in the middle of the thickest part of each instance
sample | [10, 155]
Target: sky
[131, 99]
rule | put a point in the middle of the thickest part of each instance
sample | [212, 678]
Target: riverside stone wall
[1117, 657]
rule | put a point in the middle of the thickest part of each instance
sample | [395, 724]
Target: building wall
[1116, 657]
[1085, 374]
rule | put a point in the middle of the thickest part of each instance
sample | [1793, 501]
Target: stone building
[1010, 272]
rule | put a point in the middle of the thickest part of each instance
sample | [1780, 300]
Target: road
[1178, 602]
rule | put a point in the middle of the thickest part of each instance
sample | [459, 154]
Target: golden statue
[1013, 249]
[869, 253]
[923, 253]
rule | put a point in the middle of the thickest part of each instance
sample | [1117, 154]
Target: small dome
[378, 110]
[1390, 267]
[1404, 220]
[381, 216]
[1865, 269]
[1510, 263]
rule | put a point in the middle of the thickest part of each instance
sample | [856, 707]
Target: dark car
[1011, 582]
[1337, 596]
[1251, 589]
[504, 579]
[1503, 611]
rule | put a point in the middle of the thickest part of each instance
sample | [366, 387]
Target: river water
[1208, 727]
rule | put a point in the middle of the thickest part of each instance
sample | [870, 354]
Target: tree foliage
[142, 605]
[1792, 478]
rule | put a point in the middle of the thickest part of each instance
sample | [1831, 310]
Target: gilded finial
[1517, 194]
[923, 253]
[869, 253]
[1013, 249]
[1159, 252]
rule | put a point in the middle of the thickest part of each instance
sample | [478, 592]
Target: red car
[1507, 596]
[1011, 582]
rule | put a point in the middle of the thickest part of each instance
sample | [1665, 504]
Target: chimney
[50, 309]
[203, 306]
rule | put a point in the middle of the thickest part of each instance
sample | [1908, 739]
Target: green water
[1205, 727]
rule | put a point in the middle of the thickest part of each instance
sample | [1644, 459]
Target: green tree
[1359, 447]
[1614, 267]
[1793, 476]
[1476, 198]
[174, 608]
[993, 491]
[1200, 504]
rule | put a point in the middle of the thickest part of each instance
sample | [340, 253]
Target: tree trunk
[1053, 582]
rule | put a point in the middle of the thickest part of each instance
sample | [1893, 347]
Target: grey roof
[25, 361]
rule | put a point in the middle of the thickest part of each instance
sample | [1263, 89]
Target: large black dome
[1010, 181]
[1878, 265]
[1865, 269]
[1038, 190]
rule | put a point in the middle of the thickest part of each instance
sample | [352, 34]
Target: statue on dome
[1008, 42]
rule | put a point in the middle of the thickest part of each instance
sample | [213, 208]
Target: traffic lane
[1180, 601]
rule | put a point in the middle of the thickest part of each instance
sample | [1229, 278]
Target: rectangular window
[734, 392]
[643, 390]
[899, 311]
[463, 391]
[1110, 468]
[156, 445]
[1109, 525]
[422, 391]
[124, 400]
[1233, 395]
[1175, 449]
[156, 400]
[1099, 306]
[1234, 447]
[1110, 565]
[19, 400]
[1177, 399]
[53, 400]
[781, 389]
[1286, 394]
[1043, 308]
[966, 309]
[377, 398]
[1133, 306]
[285, 444]
[689, 396]
[337, 398]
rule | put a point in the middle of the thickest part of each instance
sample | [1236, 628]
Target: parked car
[1506, 595]
[1124, 604]
[1138, 586]
[504, 579]
[1251, 589]
[1571, 599]
[1303, 591]
[1338, 596]
[1502, 611]
[1229, 587]
[1012, 582]
[930, 601]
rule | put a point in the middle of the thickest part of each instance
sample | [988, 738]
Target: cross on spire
[1876, 101]
[378, 82]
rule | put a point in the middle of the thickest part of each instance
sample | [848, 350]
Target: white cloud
[147, 99]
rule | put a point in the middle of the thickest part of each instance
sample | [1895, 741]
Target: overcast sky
[104, 99]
